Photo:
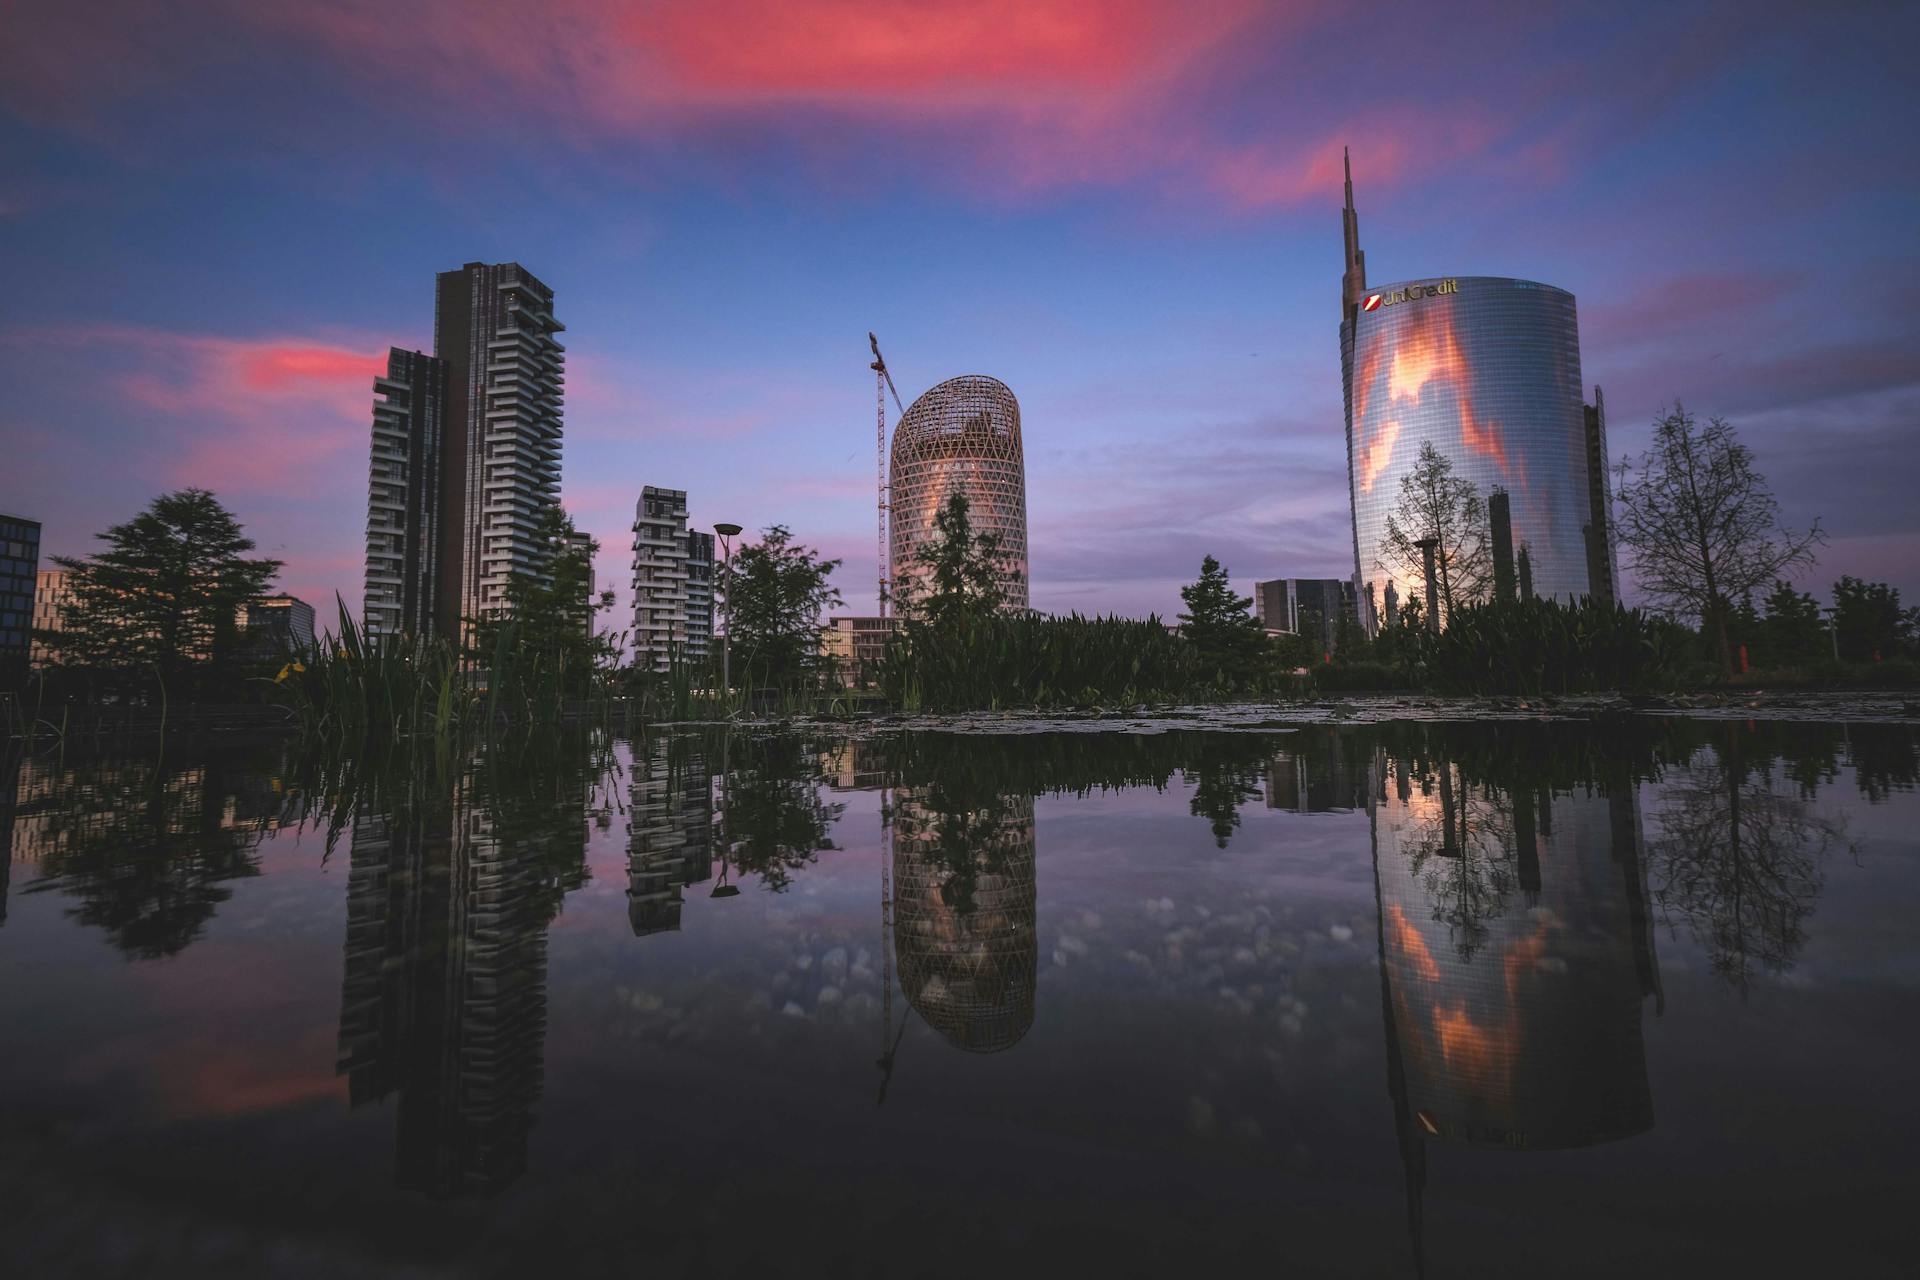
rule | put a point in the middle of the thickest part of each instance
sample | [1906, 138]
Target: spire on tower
[1353, 285]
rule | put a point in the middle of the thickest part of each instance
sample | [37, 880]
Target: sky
[215, 217]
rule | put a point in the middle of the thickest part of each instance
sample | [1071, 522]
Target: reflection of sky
[1215, 1012]
[218, 216]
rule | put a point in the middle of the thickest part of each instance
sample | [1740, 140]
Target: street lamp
[726, 532]
[1833, 630]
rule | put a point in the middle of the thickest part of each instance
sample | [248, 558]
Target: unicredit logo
[1372, 303]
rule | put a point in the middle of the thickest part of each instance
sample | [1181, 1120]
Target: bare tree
[1701, 526]
[1435, 503]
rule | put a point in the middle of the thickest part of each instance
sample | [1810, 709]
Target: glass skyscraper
[962, 436]
[1487, 370]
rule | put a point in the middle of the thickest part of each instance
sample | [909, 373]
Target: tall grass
[1543, 646]
[1008, 660]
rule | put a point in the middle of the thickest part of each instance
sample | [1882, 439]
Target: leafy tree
[166, 591]
[1218, 623]
[1435, 503]
[1700, 525]
[550, 616]
[776, 591]
[1793, 633]
[960, 569]
[1869, 623]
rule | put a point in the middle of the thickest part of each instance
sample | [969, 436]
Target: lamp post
[726, 532]
[1426, 546]
[1833, 630]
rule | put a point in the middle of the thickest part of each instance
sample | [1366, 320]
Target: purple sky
[213, 223]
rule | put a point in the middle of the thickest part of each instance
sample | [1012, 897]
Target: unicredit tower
[1487, 369]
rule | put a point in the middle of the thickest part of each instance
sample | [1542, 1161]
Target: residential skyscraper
[699, 594]
[1487, 370]
[660, 572]
[466, 454]
[962, 436]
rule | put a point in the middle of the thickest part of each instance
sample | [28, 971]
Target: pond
[1483, 999]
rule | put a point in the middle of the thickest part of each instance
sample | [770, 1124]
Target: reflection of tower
[1305, 782]
[9, 798]
[965, 898]
[444, 998]
[671, 823]
[1513, 1019]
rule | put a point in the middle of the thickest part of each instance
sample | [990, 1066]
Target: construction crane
[882, 383]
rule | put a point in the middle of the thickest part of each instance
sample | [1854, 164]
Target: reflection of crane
[882, 383]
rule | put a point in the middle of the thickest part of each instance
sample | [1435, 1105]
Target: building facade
[404, 505]
[281, 624]
[52, 593]
[465, 455]
[700, 584]
[659, 577]
[1487, 370]
[856, 645]
[962, 436]
[1288, 604]
[19, 574]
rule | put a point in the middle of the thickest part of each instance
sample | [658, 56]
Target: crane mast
[882, 383]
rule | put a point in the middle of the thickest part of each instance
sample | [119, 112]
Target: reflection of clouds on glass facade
[961, 436]
[1514, 938]
[1487, 369]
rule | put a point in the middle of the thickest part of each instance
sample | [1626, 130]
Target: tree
[549, 617]
[1700, 525]
[1218, 623]
[1792, 633]
[165, 593]
[1435, 503]
[960, 568]
[1868, 622]
[776, 591]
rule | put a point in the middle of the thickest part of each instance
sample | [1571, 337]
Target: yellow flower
[301, 667]
[281, 678]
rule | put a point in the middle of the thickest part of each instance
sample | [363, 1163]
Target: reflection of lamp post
[1426, 546]
[726, 532]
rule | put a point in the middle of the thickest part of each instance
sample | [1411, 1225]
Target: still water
[1477, 999]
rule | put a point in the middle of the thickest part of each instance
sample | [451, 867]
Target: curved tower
[1487, 370]
[962, 435]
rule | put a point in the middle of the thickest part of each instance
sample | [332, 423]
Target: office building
[19, 571]
[52, 593]
[1487, 370]
[1603, 569]
[465, 455]
[660, 572]
[856, 645]
[281, 624]
[1297, 606]
[962, 436]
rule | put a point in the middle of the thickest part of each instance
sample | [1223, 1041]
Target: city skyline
[1131, 223]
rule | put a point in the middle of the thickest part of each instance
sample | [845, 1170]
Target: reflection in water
[146, 851]
[965, 898]
[1739, 861]
[1515, 957]
[452, 887]
[670, 831]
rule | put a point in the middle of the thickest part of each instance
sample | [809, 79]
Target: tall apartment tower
[659, 576]
[466, 454]
[699, 594]
[403, 496]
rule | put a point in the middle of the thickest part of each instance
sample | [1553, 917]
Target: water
[1498, 999]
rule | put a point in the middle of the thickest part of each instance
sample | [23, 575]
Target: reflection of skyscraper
[444, 996]
[671, 832]
[965, 899]
[1515, 956]
[1314, 783]
[1487, 370]
[10, 768]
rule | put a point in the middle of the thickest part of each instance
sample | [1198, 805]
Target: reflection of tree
[146, 852]
[1225, 773]
[775, 818]
[1739, 861]
[1462, 850]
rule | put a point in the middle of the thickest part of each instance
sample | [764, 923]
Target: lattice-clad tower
[962, 435]
[964, 905]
